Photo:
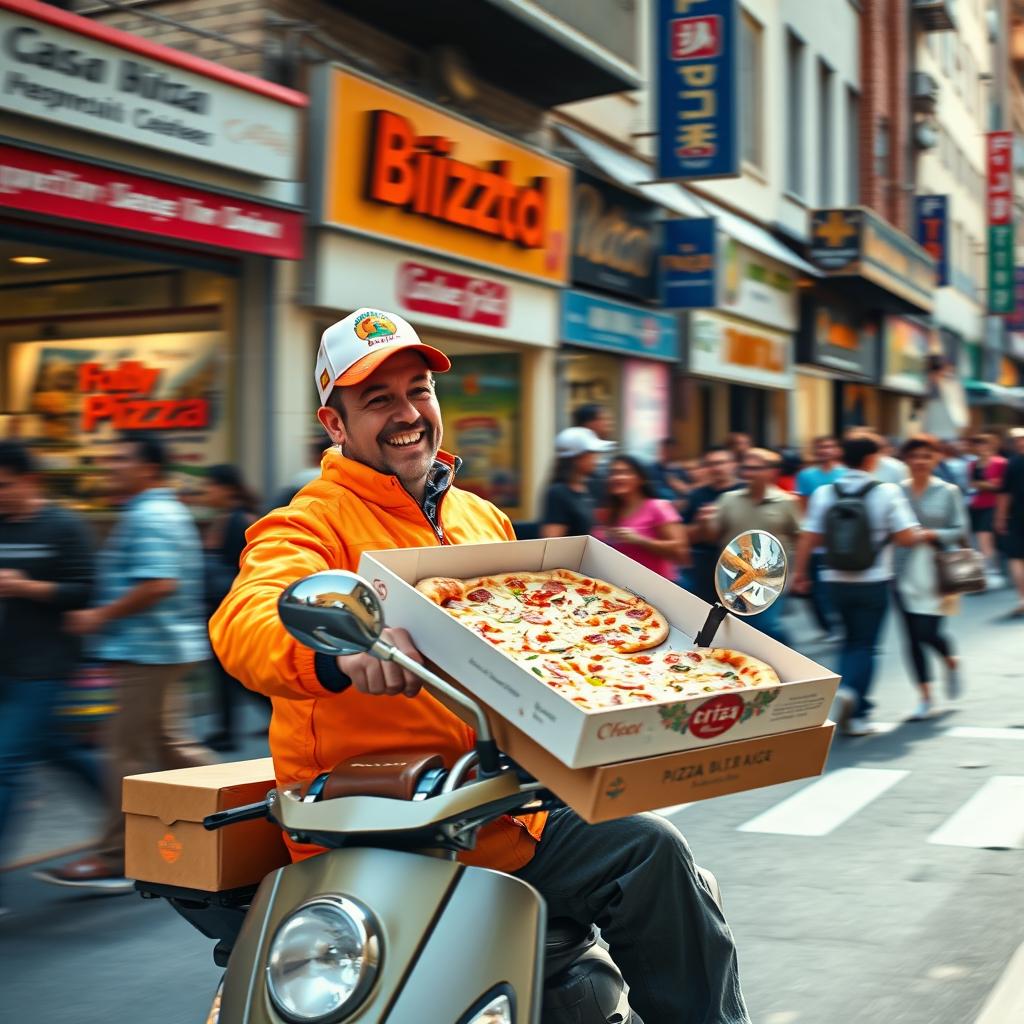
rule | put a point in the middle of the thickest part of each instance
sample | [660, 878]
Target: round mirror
[751, 572]
[334, 612]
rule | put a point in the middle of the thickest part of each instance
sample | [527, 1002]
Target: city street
[889, 890]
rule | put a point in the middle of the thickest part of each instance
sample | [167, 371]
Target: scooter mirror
[751, 572]
[334, 612]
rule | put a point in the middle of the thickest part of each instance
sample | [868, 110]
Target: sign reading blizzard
[94, 85]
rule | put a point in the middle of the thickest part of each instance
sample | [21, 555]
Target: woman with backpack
[939, 510]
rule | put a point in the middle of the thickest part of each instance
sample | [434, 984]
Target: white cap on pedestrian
[353, 348]
[575, 441]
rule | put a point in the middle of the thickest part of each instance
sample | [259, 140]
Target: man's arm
[805, 545]
[73, 544]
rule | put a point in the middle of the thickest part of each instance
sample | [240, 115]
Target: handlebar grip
[234, 815]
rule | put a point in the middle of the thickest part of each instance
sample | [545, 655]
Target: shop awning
[983, 392]
[635, 175]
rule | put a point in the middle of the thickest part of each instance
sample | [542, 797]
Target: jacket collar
[384, 489]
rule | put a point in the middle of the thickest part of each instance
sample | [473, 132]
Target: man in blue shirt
[827, 469]
[149, 623]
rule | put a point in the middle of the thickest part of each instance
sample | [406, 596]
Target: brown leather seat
[387, 774]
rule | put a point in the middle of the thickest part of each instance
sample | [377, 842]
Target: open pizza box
[576, 737]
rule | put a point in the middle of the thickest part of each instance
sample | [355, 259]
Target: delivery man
[387, 484]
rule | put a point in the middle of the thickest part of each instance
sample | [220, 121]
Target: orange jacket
[350, 509]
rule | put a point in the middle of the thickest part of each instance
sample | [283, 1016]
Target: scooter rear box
[165, 841]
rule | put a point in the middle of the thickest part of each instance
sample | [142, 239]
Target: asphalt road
[905, 909]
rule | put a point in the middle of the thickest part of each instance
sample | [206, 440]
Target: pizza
[596, 644]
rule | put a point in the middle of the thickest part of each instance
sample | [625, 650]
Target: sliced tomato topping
[544, 638]
[694, 657]
[554, 587]
[672, 659]
[479, 595]
[592, 667]
[585, 591]
[616, 643]
[595, 638]
[515, 583]
[610, 620]
[639, 613]
[643, 659]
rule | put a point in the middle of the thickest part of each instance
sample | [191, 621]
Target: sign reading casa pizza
[407, 172]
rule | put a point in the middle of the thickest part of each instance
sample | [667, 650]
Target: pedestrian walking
[987, 472]
[761, 505]
[827, 469]
[235, 508]
[939, 510]
[1009, 517]
[597, 420]
[46, 567]
[669, 475]
[148, 622]
[858, 519]
[569, 505]
[720, 467]
[640, 524]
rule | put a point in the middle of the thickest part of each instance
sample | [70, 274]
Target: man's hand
[85, 621]
[371, 675]
[801, 583]
[12, 583]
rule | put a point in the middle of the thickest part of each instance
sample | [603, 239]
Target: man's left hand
[85, 621]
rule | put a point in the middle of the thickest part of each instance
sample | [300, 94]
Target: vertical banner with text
[1000, 222]
[697, 113]
[688, 264]
[931, 214]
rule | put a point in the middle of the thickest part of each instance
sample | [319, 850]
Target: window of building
[852, 147]
[751, 91]
[826, 140]
[795, 147]
[881, 151]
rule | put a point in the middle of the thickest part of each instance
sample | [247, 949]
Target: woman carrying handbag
[920, 595]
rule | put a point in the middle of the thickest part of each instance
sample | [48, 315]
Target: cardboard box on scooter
[576, 737]
[165, 841]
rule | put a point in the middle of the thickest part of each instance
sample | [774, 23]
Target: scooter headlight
[323, 960]
[496, 1011]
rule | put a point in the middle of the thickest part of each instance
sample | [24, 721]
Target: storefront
[463, 232]
[873, 272]
[127, 291]
[744, 374]
[621, 357]
[903, 382]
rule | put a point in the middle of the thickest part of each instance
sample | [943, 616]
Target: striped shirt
[155, 539]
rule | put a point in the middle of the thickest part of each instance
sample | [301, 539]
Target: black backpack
[849, 544]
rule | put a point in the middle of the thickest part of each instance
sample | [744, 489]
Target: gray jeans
[635, 879]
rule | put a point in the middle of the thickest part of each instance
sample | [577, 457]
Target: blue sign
[698, 122]
[931, 215]
[688, 264]
[618, 327]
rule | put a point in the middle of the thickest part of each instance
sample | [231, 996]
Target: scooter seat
[387, 774]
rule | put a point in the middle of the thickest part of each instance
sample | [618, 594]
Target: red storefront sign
[1001, 245]
[1000, 177]
[473, 300]
[57, 187]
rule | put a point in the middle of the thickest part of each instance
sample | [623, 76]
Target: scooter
[387, 925]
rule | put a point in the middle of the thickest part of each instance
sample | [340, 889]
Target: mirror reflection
[333, 612]
[751, 572]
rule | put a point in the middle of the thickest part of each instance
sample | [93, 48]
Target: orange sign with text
[409, 173]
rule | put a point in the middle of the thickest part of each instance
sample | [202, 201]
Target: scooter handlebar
[234, 815]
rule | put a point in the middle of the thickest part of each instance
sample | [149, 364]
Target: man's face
[128, 475]
[828, 451]
[756, 473]
[601, 425]
[721, 467]
[392, 420]
[16, 492]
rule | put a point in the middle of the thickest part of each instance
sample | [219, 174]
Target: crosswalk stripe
[824, 805]
[993, 819]
[974, 732]
[1006, 1001]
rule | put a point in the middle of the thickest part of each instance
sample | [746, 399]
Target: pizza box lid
[577, 737]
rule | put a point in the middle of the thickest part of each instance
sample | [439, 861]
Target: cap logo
[374, 328]
[325, 379]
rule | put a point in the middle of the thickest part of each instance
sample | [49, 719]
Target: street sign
[698, 116]
[1001, 297]
[931, 214]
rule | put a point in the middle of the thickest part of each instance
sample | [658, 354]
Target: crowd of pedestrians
[896, 510]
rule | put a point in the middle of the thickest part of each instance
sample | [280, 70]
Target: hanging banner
[931, 215]
[698, 119]
[688, 264]
[1000, 222]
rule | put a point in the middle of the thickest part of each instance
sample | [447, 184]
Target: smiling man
[387, 484]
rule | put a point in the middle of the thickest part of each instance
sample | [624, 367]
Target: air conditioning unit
[924, 92]
[926, 135]
[936, 15]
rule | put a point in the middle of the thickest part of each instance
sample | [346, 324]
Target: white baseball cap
[575, 441]
[353, 348]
